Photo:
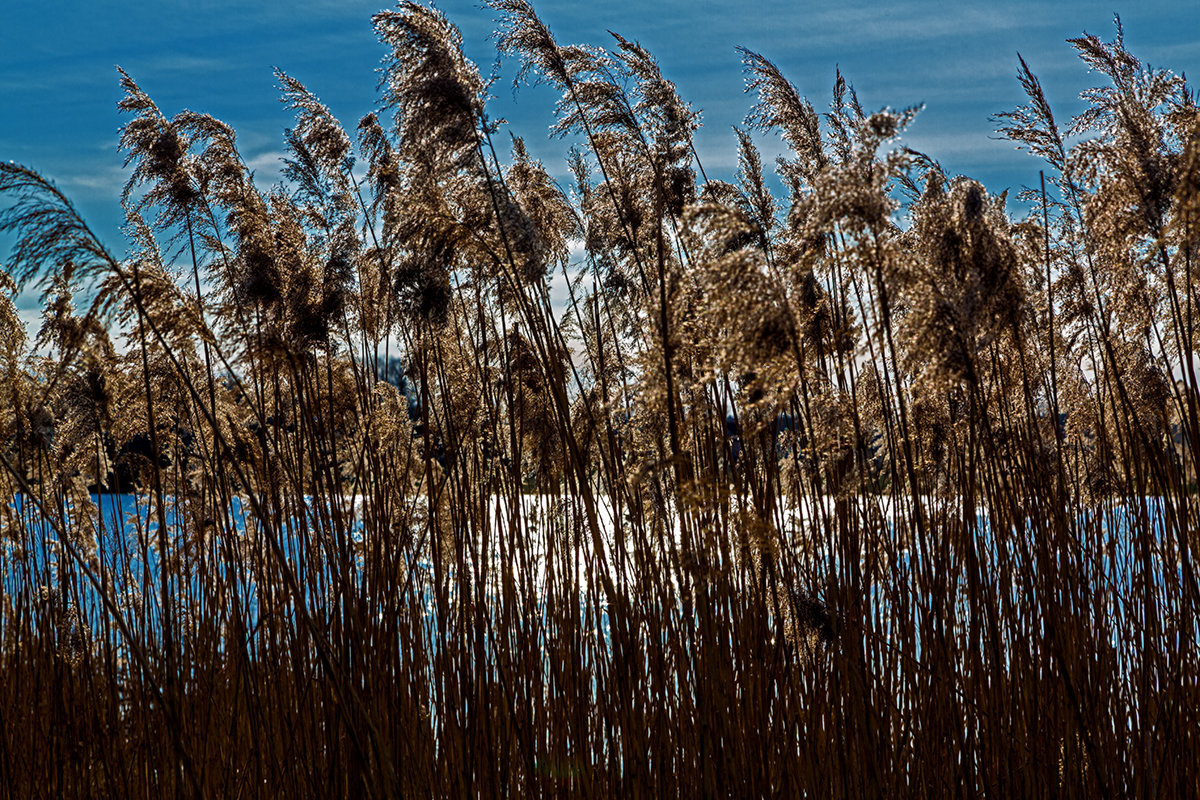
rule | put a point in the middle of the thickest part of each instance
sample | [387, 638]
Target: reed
[870, 487]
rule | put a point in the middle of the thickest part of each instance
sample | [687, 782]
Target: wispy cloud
[267, 167]
[99, 179]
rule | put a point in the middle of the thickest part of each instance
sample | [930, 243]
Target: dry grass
[865, 490]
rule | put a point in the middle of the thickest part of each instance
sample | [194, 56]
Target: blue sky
[59, 89]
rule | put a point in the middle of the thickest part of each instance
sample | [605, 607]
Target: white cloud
[100, 179]
[267, 167]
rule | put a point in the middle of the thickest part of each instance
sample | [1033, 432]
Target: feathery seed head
[436, 92]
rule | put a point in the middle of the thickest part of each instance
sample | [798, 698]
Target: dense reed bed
[865, 487]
